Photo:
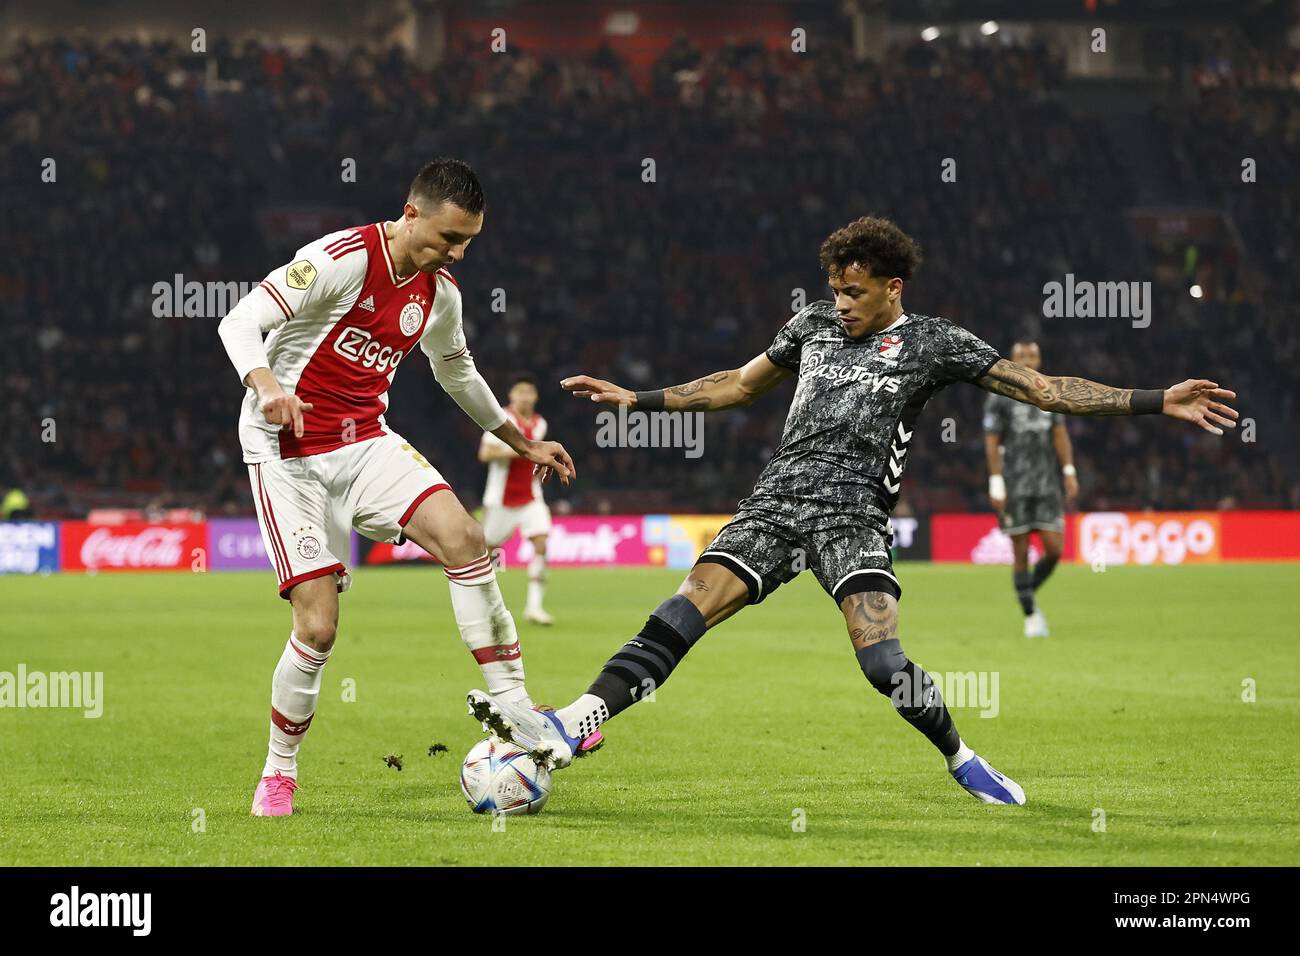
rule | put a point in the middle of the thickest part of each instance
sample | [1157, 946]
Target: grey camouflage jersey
[854, 410]
[1029, 463]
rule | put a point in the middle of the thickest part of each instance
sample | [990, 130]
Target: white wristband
[1069, 471]
[997, 487]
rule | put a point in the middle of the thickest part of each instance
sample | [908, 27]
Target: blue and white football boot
[539, 732]
[987, 785]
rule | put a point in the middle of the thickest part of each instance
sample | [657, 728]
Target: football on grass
[498, 777]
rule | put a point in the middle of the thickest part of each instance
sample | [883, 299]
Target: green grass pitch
[1133, 709]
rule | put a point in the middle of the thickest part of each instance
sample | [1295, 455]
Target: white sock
[963, 754]
[583, 716]
[294, 689]
[536, 582]
[487, 628]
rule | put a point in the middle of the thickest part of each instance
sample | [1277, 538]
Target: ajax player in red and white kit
[513, 496]
[338, 320]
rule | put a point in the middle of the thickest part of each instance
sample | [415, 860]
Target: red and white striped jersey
[511, 482]
[343, 321]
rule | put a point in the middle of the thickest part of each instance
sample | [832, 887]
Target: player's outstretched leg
[295, 687]
[640, 666]
[872, 618]
[709, 595]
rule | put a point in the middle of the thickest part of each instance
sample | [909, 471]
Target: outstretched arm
[1195, 400]
[721, 390]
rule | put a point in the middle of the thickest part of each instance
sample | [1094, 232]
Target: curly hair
[874, 243]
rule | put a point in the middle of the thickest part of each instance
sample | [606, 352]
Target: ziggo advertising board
[1133, 537]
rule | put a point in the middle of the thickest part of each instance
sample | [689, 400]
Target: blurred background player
[321, 459]
[1024, 446]
[513, 496]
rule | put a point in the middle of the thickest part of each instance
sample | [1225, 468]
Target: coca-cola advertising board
[134, 546]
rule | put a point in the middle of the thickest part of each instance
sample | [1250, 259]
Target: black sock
[912, 691]
[643, 664]
[1024, 581]
[1043, 569]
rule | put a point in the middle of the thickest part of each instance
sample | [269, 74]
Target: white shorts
[500, 522]
[308, 506]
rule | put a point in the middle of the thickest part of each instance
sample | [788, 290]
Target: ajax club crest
[411, 317]
[309, 547]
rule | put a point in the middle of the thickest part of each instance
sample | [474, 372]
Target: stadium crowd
[757, 155]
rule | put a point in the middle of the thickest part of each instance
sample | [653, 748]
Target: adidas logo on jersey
[368, 303]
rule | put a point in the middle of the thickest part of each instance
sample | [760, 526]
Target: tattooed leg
[715, 592]
[872, 619]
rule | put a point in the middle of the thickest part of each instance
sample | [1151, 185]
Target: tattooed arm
[1195, 400]
[729, 389]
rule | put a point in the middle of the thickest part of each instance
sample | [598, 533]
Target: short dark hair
[449, 180]
[873, 243]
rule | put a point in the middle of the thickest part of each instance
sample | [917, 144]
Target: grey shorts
[767, 550]
[1033, 513]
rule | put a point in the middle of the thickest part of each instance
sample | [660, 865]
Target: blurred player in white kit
[513, 496]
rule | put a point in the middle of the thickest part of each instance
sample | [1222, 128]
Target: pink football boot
[274, 796]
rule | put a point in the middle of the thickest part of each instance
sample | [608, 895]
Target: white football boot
[535, 615]
[1036, 625]
[537, 731]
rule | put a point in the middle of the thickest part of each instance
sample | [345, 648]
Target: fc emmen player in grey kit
[1029, 457]
[865, 369]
